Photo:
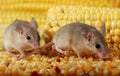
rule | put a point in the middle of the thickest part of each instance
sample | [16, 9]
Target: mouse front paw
[20, 57]
[65, 53]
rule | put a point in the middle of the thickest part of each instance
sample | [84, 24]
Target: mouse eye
[28, 37]
[97, 46]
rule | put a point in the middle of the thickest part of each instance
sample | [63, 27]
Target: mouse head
[96, 42]
[28, 33]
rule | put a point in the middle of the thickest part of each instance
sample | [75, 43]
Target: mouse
[78, 37]
[21, 34]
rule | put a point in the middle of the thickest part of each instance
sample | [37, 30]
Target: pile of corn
[50, 22]
[37, 65]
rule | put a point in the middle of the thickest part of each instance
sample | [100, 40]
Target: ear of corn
[60, 16]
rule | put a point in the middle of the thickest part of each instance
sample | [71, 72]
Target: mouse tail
[38, 49]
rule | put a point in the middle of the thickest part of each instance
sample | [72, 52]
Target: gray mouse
[21, 34]
[78, 37]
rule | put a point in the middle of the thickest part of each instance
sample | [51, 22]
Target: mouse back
[69, 30]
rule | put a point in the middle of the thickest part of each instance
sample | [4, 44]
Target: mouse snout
[36, 45]
[104, 55]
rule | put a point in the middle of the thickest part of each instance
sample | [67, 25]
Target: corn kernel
[117, 32]
[105, 71]
[116, 39]
[108, 25]
[118, 24]
[112, 32]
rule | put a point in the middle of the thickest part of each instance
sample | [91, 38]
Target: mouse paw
[20, 57]
[65, 53]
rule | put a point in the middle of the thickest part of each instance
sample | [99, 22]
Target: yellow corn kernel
[118, 24]
[112, 32]
[116, 39]
[108, 25]
[87, 67]
[114, 72]
[117, 32]
[108, 37]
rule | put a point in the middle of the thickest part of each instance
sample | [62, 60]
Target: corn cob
[60, 16]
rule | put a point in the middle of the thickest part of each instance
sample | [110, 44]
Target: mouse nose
[105, 55]
[36, 45]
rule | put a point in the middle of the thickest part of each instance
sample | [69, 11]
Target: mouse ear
[102, 29]
[89, 36]
[16, 21]
[34, 23]
[19, 29]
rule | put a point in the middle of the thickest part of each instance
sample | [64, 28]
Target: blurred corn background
[51, 15]
[25, 9]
